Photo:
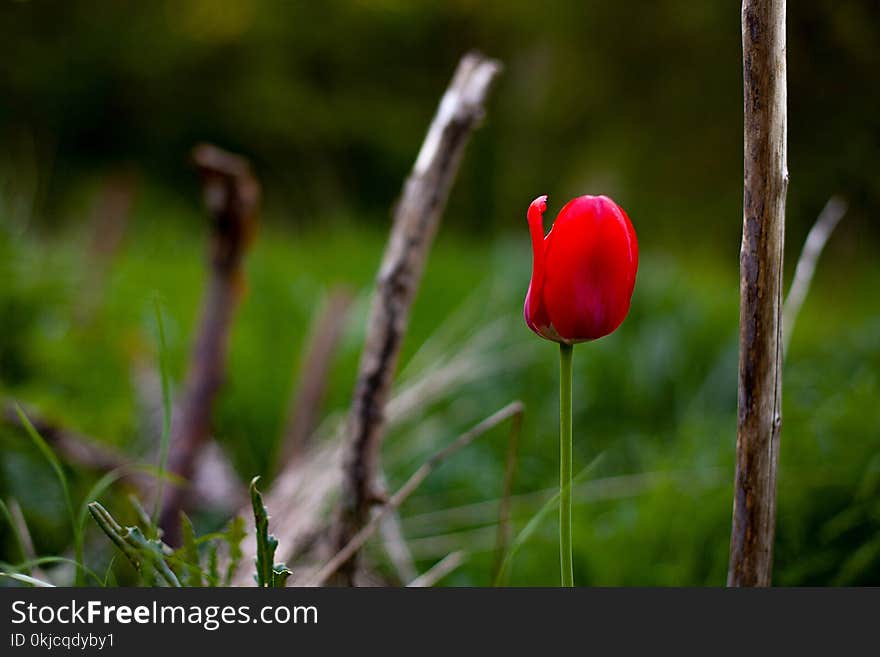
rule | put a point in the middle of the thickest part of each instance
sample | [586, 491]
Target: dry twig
[416, 218]
[361, 537]
[818, 236]
[395, 544]
[439, 570]
[231, 195]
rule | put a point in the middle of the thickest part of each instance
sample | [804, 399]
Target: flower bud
[583, 271]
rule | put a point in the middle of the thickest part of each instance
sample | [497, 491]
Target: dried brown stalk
[231, 195]
[439, 570]
[416, 218]
[415, 480]
[818, 236]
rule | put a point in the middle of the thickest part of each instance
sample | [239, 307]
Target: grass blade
[49, 455]
[166, 412]
[93, 494]
[535, 521]
[19, 541]
[31, 563]
[27, 579]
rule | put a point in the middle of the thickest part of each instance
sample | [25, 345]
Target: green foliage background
[641, 101]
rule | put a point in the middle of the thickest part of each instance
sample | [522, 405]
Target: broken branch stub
[232, 195]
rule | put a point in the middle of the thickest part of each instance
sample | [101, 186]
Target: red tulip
[583, 271]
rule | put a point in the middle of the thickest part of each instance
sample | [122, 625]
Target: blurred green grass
[656, 401]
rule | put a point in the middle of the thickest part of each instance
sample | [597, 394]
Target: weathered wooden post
[760, 339]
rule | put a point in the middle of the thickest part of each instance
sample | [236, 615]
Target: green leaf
[267, 573]
[213, 567]
[145, 522]
[280, 573]
[266, 543]
[154, 553]
[189, 553]
[235, 534]
[146, 555]
[47, 452]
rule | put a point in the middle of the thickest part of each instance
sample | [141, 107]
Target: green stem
[565, 449]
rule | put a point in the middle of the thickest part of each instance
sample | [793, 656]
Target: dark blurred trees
[639, 100]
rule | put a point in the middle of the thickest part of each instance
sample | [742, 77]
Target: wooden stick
[415, 222]
[760, 357]
[439, 570]
[818, 236]
[231, 195]
[361, 537]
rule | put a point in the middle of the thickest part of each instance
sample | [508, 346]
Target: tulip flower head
[583, 271]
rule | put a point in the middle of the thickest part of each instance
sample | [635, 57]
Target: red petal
[590, 267]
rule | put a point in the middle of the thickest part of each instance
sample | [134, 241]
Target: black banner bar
[410, 621]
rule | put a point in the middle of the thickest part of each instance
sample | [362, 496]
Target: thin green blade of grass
[92, 495]
[146, 523]
[109, 577]
[49, 455]
[40, 561]
[535, 521]
[166, 411]
[16, 534]
[27, 579]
